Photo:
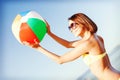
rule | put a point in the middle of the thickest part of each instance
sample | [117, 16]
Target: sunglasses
[72, 26]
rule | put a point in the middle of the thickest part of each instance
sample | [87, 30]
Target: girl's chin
[76, 35]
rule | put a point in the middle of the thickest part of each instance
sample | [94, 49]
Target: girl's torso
[101, 66]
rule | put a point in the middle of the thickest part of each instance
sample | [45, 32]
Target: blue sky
[21, 62]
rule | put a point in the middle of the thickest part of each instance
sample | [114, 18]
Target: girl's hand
[33, 45]
[48, 27]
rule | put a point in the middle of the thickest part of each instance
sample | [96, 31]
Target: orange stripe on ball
[26, 34]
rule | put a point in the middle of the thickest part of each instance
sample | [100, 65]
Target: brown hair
[83, 19]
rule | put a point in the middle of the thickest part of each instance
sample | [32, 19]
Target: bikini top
[89, 59]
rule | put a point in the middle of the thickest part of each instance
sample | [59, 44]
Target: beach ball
[29, 26]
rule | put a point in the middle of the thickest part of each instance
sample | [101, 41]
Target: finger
[36, 42]
[25, 43]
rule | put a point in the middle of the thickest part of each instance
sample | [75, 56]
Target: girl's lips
[76, 31]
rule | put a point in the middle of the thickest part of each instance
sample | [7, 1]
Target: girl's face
[75, 28]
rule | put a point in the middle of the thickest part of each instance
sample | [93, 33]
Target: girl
[90, 47]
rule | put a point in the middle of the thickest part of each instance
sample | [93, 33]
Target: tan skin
[90, 43]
